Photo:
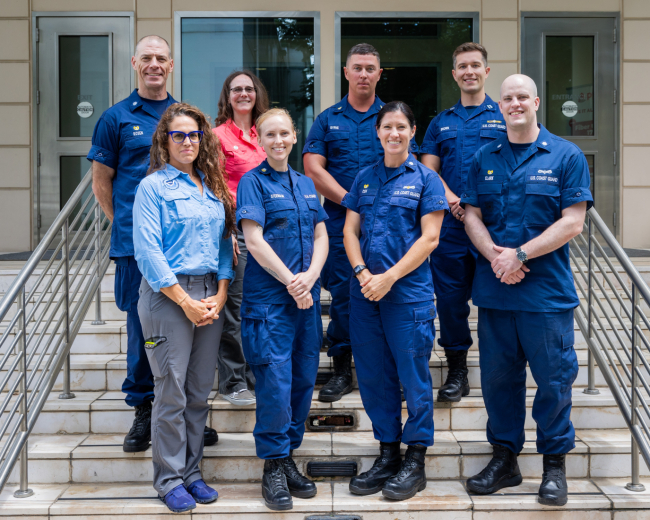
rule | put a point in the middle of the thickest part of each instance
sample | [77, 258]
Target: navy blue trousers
[138, 385]
[452, 265]
[392, 342]
[335, 278]
[509, 339]
[282, 346]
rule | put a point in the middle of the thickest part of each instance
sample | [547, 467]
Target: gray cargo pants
[183, 365]
[234, 372]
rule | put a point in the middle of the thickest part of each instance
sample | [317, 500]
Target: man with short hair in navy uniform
[526, 197]
[342, 141]
[451, 140]
[120, 160]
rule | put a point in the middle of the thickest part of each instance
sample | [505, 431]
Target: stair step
[97, 458]
[589, 499]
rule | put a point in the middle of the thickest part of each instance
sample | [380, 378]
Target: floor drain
[344, 468]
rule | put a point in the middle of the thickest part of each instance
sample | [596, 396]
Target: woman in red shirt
[243, 99]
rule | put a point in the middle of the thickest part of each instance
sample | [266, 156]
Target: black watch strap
[521, 255]
[358, 269]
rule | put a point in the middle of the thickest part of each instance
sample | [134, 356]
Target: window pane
[73, 169]
[84, 88]
[279, 50]
[592, 177]
[570, 85]
[416, 58]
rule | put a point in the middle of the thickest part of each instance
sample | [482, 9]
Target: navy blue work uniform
[121, 140]
[392, 338]
[454, 136]
[531, 321]
[281, 342]
[348, 140]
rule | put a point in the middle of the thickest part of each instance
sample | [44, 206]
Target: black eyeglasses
[239, 90]
[179, 137]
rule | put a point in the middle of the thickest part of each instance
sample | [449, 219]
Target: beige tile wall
[635, 164]
[15, 127]
[500, 28]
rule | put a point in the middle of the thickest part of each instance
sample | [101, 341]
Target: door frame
[36, 15]
[618, 145]
[338, 15]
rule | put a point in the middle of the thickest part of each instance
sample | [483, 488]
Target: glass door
[573, 62]
[83, 68]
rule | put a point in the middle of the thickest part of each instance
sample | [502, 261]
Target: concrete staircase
[78, 470]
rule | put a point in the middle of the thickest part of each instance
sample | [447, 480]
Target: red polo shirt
[241, 156]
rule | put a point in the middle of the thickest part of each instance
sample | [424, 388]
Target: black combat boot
[139, 435]
[299, 485]
[411, 477]
[341, 382]
[210, 436]
[553, 491]
[502, 471]
[385, 466]
[456, 386]
[274, 486]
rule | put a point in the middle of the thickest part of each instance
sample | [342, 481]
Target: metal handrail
[622, 354]
[50, 301]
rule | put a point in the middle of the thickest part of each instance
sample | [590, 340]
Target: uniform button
[244, 211]
[236, 147]
[135, 102]
[410, 163]
[464, 195]
[578, 194]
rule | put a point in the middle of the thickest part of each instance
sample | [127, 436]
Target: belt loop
[190, 279]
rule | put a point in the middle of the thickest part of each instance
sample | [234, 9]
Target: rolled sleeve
[225, 259]
[351, 201]
[105, 144]
[147, 238]
[575, 182]
[316, 139]
[322, 214]
[429, 144]
[433, 196]
[250, 203]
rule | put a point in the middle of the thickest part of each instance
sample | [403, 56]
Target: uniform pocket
[281, 218]
[338, 143]
[256, 341]
[569, 363]
[365, 213]
[489, 196]
[423, 331]
[313, 209]
[446, 142]
[402, 216]
[157, 349]
[178, 205]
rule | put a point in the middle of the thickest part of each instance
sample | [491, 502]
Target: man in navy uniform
[525, 199]
[342, 141]
[448, 147]
[120, 160]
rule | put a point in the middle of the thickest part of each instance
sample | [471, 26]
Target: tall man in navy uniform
[525, 199]
[451, 140]
[342, 141]
[120, 159]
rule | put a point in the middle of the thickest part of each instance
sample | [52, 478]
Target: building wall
[500, 22]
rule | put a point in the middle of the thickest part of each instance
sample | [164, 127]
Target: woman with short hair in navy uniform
[394, 215]
[280, 214]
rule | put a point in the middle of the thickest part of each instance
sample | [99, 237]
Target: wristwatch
[521, 255]
[358, 269]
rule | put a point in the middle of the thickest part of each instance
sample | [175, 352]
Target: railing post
[591, 376]
[635, 485]
[23, 491]
[98, 298]
[66, 394]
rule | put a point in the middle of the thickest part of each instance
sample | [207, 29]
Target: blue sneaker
[202, 493]
[178, 500]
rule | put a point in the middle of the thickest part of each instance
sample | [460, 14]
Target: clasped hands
[300, 289]
[205, 311]
[375, 286]
[507, 267]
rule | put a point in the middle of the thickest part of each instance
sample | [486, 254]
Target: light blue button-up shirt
[176, 230]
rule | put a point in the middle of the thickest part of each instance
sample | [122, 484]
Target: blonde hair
[270, 113]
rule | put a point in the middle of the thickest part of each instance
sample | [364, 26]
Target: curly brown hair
[261, 97]
[210, 159]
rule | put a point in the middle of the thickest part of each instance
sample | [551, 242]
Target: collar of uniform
[409, 164]
[544, 138]
[344, 104]
[135, 101]
[238, 132]
[487, 105]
